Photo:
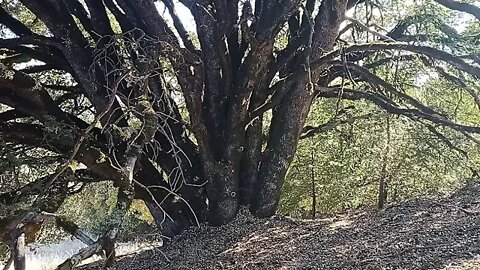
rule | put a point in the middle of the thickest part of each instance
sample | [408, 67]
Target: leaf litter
[442, 233]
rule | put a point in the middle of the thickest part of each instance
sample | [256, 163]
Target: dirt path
[424, 234]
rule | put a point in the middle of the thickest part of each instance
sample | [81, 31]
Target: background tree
[100, 86]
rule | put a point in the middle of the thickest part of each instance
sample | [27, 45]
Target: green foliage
[346, 165]
[342, 167]
[4, 252]
[91, 209]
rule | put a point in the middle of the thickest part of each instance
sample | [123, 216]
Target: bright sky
[182, 12]
[189, 22]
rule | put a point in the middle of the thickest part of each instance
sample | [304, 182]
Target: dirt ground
[439, 233]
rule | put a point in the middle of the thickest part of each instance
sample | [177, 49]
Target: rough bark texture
[18, 253]
[226, 84]
[228, 152]
[289, 116]
[251, 161]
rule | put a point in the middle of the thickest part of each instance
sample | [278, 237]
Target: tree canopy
[197, 118]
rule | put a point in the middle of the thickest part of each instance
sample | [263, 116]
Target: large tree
[198, 122]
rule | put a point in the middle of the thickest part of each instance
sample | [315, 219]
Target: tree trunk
[382, 193]
[223, 193]
[290, 115]
[251, 159]
[287, 124]
[224, 79]
[313, 186]
[383, 186]
[172, 214]
[18, 252]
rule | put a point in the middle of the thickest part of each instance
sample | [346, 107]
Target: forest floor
[442, 233]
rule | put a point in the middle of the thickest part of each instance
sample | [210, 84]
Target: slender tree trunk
[313, 186]
[18, 253]
[382, 187]
[382, 198]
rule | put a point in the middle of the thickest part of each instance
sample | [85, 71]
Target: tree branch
[36, 187]
[463, 7]
[368, 29]
[13, 24]
[309, 131]
[429, 51]
[77, 9]
[386, 104]
[374, 79]
[98, 15]
[445, 140]
[187, 41]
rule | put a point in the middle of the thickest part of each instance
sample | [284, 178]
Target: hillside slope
[424, 234]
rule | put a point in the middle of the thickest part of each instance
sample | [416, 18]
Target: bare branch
[445, 140]
[81, 255]
[370, 30]
[374, 79]
[39, 185]
[429, 51]
[309, 131]
[388, 105]
[85, 133]
[460, 6]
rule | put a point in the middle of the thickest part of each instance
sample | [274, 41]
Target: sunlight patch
[341, 224]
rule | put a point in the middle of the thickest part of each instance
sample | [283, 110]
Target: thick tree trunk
[223, 193]
[172, 214]
[251, 159]
[289, 116]
[287, 124]
[221, 81]
[252, 149]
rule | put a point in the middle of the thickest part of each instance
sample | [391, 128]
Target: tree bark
[290, 115]
[287, 123]
[18, 252]
[251, 159]
[172, 215]
[223, 193]
[382, 193]
[383, 185]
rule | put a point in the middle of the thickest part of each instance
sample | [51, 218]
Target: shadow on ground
[423, 234]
